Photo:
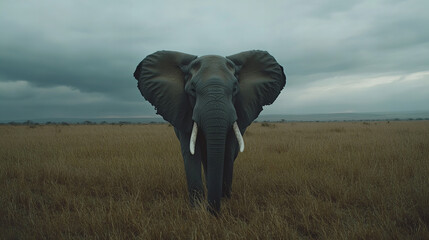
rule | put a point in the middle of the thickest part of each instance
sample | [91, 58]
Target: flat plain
[332, 180]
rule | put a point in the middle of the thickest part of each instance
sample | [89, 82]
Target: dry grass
[294, 180]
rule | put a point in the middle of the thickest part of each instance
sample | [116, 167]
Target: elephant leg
[231, 152]
[203, 148]
[192, 169]
[227, 178]
[194, 181]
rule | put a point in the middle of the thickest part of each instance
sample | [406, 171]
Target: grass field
[348, 180]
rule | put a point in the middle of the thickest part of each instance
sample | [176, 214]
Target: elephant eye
[193, 92]
[235, 89]
[190, 89]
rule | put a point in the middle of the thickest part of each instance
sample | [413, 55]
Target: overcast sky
[75, 58]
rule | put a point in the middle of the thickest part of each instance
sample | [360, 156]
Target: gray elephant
[210, 101]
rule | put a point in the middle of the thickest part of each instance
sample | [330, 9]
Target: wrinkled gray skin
[214, 92]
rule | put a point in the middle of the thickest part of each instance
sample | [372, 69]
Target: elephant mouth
[195, 132]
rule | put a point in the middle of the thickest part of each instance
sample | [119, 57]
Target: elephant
[210, 101]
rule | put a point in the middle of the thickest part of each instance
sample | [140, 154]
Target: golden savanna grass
[352, 180]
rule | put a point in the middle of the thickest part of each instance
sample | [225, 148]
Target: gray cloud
[69, 58]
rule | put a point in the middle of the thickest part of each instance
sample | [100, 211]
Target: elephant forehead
[212, 60]
[212, 56]
[214, 64]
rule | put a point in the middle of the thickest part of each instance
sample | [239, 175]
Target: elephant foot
[214, 208]
[212, 211]
[196, 197]
[226, 192]
[226, 195]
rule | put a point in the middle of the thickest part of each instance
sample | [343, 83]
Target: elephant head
[212, 95]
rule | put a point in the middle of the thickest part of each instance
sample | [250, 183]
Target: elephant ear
[161, 81]
[260, 79]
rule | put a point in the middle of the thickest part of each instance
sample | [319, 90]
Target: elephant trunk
[215, 131]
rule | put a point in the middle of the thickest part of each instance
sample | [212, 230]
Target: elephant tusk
[193, 138]
[239, 137]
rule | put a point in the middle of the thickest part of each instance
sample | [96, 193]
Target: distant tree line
[264, 123]
[32, 123]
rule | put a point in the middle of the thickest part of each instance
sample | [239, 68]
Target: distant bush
[123, 123]
[266, 124]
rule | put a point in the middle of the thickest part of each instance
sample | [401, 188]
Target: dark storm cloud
[368, 37]
[64, 49]
[68, 58]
